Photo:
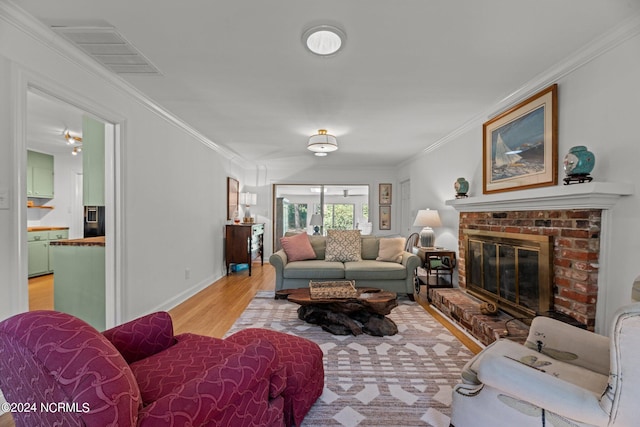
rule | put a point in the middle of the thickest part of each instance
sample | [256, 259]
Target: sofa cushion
[319, 245]
[313, 269]
[343, 245]
[374, 270]
[297, 247]
[391, 249]
[369, 247]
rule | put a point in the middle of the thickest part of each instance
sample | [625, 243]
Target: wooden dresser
[243, 244]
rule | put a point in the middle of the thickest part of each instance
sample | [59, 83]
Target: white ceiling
[412, 71]
[47, 121]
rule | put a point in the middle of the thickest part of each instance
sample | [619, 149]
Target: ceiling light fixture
[322, 143]
[324, 40]
[72, 139]
[75, 141]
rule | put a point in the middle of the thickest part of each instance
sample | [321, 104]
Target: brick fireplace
[576, 217]
[576, 247]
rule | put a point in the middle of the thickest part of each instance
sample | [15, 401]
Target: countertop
[45, 228]
[87, 241]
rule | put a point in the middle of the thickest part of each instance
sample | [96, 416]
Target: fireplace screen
[513, 270]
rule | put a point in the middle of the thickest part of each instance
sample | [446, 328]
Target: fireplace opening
[513, 271]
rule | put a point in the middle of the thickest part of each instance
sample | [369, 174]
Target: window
[342, 207]
[339, 216]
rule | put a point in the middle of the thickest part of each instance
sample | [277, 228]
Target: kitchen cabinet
[39, 250]
[92, 162]
[79, 280]
[53, 236]
[39, 175]
[244, 243]
[38, 257]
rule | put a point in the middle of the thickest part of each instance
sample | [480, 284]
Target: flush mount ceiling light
[324, 40]
[322, 143]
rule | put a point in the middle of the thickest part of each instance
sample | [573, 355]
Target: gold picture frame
[520, 145]
[233, 195]
[385, 218]
[384, 194]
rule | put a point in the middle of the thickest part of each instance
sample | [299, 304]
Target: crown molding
[629, 28]
[19, 18]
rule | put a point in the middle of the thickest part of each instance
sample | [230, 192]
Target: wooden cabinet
[39, 175]
[53, 236]
[79, 281]
[39, 251]
[243, 244]
[38, 257]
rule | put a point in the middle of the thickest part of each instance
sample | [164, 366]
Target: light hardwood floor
[213, 310]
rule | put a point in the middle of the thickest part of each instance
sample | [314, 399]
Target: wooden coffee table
[344, 316]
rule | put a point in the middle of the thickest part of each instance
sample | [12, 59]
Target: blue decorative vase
[462, 187]
[578, 163]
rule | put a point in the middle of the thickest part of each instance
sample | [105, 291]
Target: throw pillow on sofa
[391, 249]
[343, 245]
[297, 247]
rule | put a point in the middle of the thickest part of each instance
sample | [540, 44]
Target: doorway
[54, 128]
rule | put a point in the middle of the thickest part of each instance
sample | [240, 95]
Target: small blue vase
[579, 161]
[462, 187]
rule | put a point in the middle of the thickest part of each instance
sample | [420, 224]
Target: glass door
[316, 208]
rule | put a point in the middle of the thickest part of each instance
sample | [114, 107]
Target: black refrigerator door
[93, 221]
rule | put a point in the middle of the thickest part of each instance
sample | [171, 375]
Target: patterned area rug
[400, 380]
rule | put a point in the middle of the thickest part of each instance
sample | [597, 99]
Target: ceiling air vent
[109, 48]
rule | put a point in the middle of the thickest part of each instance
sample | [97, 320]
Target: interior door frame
[27, 81]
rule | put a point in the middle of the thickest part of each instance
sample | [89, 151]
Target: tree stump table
[343, 316]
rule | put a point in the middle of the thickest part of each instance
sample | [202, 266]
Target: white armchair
[562, 377]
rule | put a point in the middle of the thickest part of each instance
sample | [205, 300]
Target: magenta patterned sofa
[61, 371]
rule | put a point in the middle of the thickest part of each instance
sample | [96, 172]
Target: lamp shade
[427, 218]
[248, 199]
[322, 142]
[316, 219]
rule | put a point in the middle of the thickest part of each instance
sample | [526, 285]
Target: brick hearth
[464, 309]
[576, 236]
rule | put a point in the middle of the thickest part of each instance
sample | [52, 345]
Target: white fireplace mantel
[591, 195]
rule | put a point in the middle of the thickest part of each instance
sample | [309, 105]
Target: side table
[437, 262]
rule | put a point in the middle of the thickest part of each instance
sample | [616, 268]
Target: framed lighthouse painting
[520, 145]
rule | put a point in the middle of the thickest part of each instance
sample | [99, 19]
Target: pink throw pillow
[298, 247]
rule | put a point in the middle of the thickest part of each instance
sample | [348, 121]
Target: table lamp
[316, 221]
[248, 199]
[427, 218]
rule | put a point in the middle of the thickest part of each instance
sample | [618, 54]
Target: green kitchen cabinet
[93, 157]
[53, 236]
[39, 250]
[39, 175]
[38, 257]
[79, 282]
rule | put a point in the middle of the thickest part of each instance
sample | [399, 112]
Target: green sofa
[390, 276]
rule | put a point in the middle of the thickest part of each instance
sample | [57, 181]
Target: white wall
[599, 104]
[172, 181]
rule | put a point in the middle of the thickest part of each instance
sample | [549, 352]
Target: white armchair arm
[569, 344]
[536, 387]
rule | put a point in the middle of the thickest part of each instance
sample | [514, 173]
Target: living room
[169, 191]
